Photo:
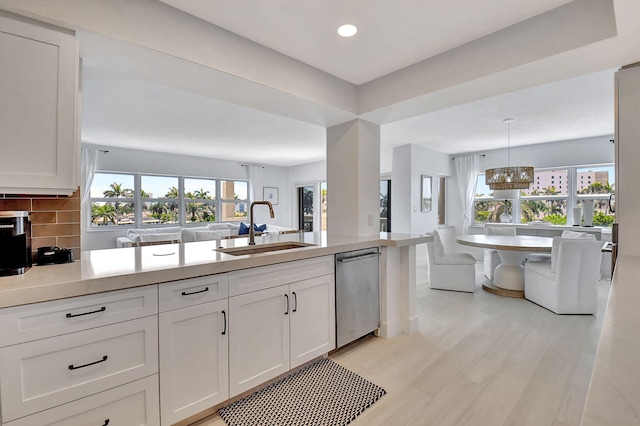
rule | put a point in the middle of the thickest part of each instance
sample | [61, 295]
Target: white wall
[410, 162]
[304, 174]
[136, 161]
[577, 152]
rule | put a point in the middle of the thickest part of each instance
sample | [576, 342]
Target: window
[138, 200]
[599, 187]
[200, 200]
[385, 205]
[486, 209]
[234, 200]
[312, 206]
[549, 203]
[323, 206]
[160, 199]
[112, 200]
[305, 208]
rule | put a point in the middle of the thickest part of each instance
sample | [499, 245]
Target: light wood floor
[479, 359]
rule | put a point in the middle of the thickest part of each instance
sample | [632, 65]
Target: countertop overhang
[99, 271]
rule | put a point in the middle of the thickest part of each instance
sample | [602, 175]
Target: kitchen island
[163, 334]
[114, 269]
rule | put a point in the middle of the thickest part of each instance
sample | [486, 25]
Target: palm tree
[201, 194]
[172, 193]
[307, 201]
[117, 191]
[555, 206]
[195, 210]
[158, 209]
[532, 210]
[106, 213]
[172, 206]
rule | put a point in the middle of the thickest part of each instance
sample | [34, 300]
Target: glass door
[305, 208]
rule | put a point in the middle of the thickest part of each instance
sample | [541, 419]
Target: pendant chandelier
[501, 178]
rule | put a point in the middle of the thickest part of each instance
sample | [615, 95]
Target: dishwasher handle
[354, 258]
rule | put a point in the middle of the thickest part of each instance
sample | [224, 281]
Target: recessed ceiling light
[347, 30]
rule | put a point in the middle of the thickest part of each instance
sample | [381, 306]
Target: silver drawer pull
[354, 258]
[73, 367]
[104, 308]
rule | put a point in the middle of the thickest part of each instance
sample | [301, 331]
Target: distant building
[559, 179]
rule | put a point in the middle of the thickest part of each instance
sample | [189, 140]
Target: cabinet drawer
[193, 291]
[253, 279]
[40, 320]
[133, 404]
[45, 373]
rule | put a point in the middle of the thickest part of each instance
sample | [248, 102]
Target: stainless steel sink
[263, 248]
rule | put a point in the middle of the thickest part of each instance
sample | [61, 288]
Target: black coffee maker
[15, 242]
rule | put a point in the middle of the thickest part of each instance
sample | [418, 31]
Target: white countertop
[614, 392]
[113, 269]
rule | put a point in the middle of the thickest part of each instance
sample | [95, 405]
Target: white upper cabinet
[39, 136]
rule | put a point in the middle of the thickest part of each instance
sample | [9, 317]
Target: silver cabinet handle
[354, 258]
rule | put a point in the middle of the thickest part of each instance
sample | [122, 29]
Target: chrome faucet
[252, 230]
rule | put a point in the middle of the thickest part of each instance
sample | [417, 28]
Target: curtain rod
[481, 155]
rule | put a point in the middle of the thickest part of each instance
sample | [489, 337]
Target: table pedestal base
[488, 286]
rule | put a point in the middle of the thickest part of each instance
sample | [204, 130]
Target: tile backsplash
[55, 219]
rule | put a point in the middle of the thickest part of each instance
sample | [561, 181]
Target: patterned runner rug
[323, 393]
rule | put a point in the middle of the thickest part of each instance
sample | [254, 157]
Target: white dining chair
[567, 283]
[491, 256]
[447, 270]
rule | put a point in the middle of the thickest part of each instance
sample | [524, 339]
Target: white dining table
[508, 277]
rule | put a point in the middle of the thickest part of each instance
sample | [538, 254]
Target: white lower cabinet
[44, 373]
[132, 404]
[312, 322]
[159, 354]
[276, 329]
[259, 338]
[194, 344]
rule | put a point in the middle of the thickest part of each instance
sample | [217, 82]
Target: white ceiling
[391, 34]
[122, 108]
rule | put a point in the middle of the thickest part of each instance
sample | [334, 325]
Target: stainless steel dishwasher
[357, 294]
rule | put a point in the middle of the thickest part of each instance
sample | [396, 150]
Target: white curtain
[467, 173]
[88, 170]
[254, 176]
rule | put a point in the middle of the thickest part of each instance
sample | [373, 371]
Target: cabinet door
[37, 109]
[312, 319]
[193, 360]
[258, 337]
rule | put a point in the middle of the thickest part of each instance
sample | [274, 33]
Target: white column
[627, 155]
[353, 179]
[398, 291]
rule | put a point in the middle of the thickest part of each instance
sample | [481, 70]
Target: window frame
[138, 202]
[572, 197]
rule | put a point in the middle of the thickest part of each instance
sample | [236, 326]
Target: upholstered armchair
[491, 256]
[567, 283]
[450, 271]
